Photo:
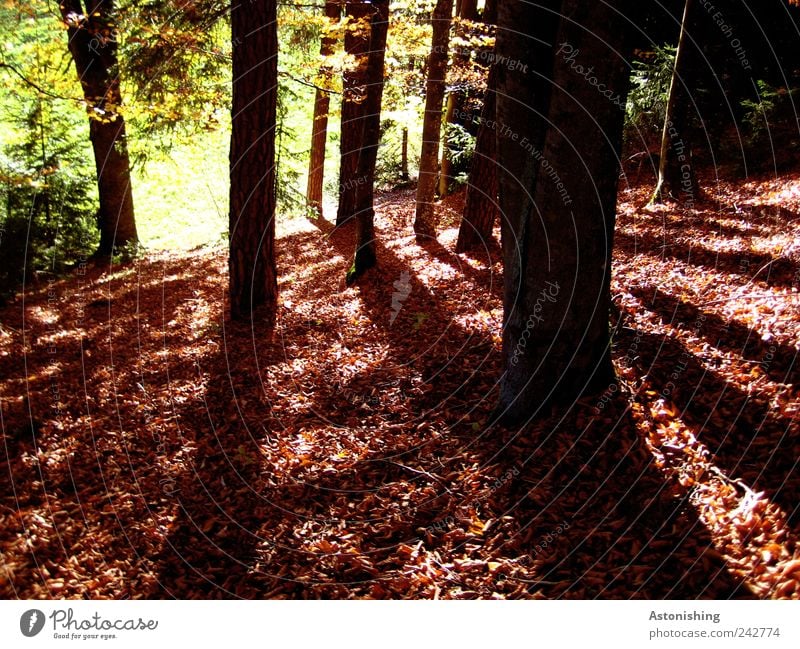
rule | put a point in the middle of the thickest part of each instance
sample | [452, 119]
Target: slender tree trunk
[93, 45]
[253, 275]
[676, 177]
[446, 168]
[365, 257]
[480, 207]
[467, 9]
[425, 221]
[490, 12]
[319, 129]
[559, 237]
[356, 43]
[404, 157]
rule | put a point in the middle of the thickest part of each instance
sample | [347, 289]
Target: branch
[308, 83]
[36, 86]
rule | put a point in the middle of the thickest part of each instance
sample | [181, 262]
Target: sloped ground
[151, 448]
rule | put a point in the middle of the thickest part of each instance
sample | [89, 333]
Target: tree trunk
[365, 257]
[559, 237]
[354, 91]
[253, 275]
[480, 207]
[93, 45]
[490, 12]
[425, 221]
[446, 170]
[467, 9]
[523, 95]
[404, 157]
[319, 129]
[676, 177]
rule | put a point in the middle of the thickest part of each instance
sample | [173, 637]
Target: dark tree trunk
[365, 257]
[480, 207]
[454, 99]
[490, 12]
[93, 45]
[354, 91]
[560, 208]
[253, 275]
[404, 157]
[319, 129]
[676, 177]
[425, 221]
[520, 117]
[467, 9]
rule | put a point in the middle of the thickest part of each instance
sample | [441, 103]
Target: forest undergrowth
[153, 448]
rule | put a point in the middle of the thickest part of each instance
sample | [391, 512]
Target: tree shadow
[629, 534]
[773, 271]
[748, 439]
[235, 527]
[775, 360]
[489, 255]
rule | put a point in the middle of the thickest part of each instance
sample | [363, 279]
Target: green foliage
[460, 147]
[47, 218]
[174, 58]
[769, 126]
[47, 177]
[647, 100]
[761, 114]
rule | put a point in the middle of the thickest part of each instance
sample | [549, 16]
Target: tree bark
[676, 177]
[560, 218]
[454, 99]
[467, 9]
[480, 207]
[253, 274]
[425, 221]
[490, 12]
[365, 257]
[93, 45]
[523, 96]
[404, 157]
[354, 92]
[319, 129]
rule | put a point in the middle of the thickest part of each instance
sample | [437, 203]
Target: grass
[181, 198]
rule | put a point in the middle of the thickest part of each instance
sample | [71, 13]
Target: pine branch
[35, 85]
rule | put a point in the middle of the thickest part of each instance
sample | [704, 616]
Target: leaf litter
[152, 448]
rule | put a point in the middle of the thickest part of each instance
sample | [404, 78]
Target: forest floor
[152, 448]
